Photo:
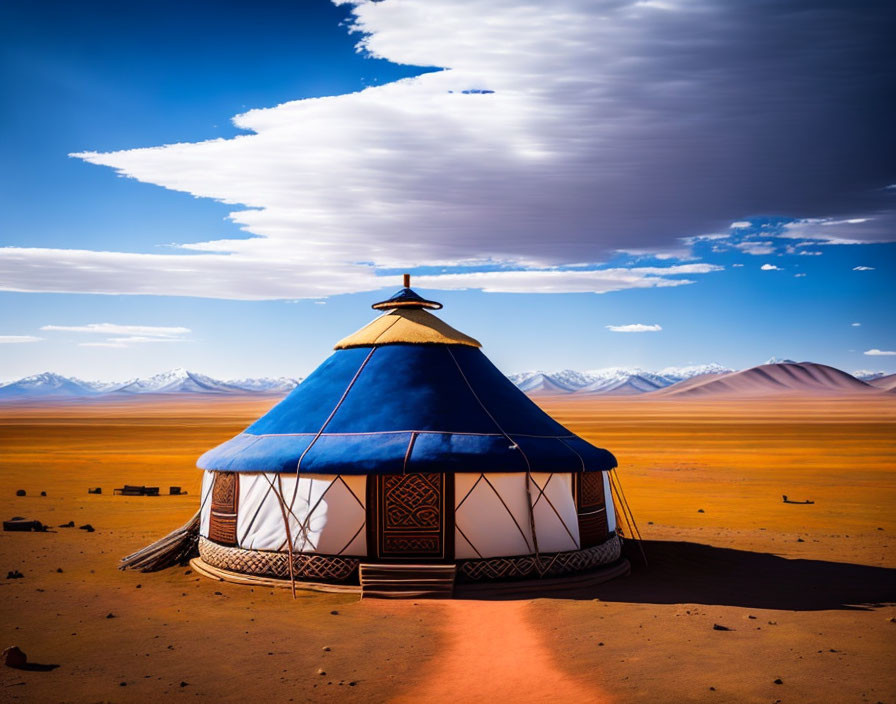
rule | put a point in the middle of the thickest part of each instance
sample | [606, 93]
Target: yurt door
[409, 519]
[592, 509]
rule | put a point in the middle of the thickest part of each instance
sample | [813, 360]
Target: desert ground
[807, 593]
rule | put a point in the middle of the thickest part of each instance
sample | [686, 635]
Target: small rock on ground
[13, 657]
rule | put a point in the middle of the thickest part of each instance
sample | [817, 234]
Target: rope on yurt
[279, 495]
[621, 515]
[625, 501]
[513, 445]
[617, 485]
[327, 422]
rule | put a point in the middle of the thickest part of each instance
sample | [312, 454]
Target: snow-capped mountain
[102, 387]
[624, 385]
[689, 372]
[265, 384]
[45, 385]
[609, 380]
[868, 375]
[539, 382]
[175, 381]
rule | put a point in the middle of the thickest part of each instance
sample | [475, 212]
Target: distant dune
[771, 379]
[887, 383]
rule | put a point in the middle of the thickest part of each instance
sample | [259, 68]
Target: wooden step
[397, 581]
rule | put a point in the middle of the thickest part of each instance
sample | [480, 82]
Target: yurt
[407, 453]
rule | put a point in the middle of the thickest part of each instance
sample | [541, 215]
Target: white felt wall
[492, 515]
[611, 509]
[326, 514]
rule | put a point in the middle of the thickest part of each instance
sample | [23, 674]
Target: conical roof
[406, 393]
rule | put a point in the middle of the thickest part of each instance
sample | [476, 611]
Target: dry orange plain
[807, 591]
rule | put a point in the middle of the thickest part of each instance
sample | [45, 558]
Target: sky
[228, 186]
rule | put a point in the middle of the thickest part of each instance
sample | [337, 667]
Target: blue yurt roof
[406, 407]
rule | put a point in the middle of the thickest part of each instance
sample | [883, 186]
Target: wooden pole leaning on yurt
[176, 548]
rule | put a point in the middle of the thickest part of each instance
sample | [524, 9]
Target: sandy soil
[806, 590]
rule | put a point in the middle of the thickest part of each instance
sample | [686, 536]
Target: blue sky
[744, 210]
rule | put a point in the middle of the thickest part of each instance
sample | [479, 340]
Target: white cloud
[863, 268]
[737, 265]
[740, 224]
[18, 339]
[880, 353]
[148, 331]
[856, 325]
[757, 248]
[770, 267]
[574, 155]
[634, 327]
[122, 342]
[809, 253]
[116, 345]
[831, 231]
[705, 238]
[799, 276]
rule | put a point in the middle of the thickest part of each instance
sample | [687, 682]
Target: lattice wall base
[530, 566]
[338, 569]
[320, 568]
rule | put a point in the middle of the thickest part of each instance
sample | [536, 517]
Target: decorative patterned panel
[411, 516]
[591, 490]
[592, 509]
[547, 565]
[322, 568]
[222, 520]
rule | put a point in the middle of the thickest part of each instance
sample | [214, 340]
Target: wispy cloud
[856, 325]
[128, 335]
[880, 353]
[149, 331]
[756, 248]
[863, 268]
[18, 339]
[770, 267]
[634, 327]
[568, 281]
[848, 231]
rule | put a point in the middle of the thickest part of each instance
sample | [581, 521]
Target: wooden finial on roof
[407, 280]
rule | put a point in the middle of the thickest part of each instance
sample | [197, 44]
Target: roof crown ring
[406, 298]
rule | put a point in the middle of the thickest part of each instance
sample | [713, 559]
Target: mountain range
[616, 381]
[773, 377]
[177, 381]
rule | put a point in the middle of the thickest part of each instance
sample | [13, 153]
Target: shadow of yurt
[692, 573]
